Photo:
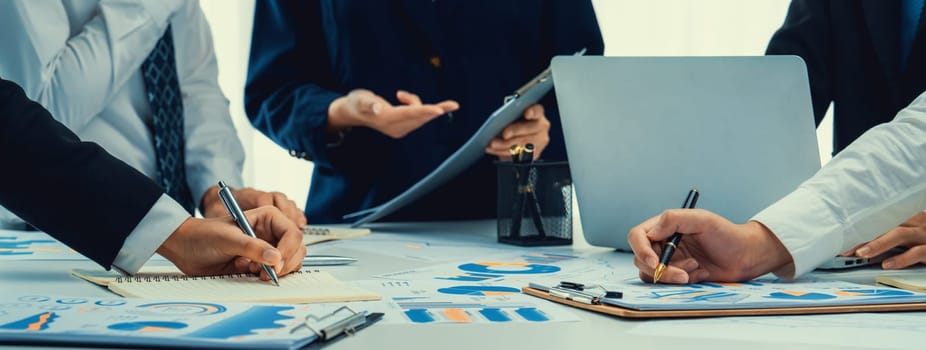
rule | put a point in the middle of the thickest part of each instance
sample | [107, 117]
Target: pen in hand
[232, 205]
[673, 242]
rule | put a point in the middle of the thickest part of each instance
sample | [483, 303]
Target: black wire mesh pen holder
[534, 203]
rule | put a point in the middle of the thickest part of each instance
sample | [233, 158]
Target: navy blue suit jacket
[72, 190]
[852, 51]
[305, 54]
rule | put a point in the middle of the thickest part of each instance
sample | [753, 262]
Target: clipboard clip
[546, 74]
[582, 293]
[344, 320]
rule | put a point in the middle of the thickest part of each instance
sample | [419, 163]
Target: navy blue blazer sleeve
[806, 33]
[290, 112]
[72, 190]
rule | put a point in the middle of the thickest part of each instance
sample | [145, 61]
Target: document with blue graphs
[50, 320]
[634, 298]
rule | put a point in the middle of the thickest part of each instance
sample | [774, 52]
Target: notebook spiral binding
[175, 278]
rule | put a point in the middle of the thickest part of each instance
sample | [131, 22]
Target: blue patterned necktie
[163, 90]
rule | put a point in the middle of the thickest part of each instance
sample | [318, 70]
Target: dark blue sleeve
[805, 33]
[289, 85]
[73, 190]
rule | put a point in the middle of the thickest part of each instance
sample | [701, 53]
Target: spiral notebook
[300, 287]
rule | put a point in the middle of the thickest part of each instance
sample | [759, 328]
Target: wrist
[172, 246]
[339, 119]
[771, 255]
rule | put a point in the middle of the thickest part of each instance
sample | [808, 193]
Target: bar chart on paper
[32, 245]
[436, 301]
[462, 312]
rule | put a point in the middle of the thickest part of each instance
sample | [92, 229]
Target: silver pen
[232, 205]
[325, 260]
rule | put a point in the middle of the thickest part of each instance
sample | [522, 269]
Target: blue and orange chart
[474, 292]
[757, 294]
[17, 245]
[152, 323]
[461, 312]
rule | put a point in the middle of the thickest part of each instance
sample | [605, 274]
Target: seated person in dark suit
[378, 93]
[111, 213]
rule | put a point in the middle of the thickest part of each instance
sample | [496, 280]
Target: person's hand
[364, 108]
[534, 128]
[249, 198]
[712, 248]
[910, 234]
[217, 246]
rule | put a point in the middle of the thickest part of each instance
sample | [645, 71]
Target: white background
[629, 28]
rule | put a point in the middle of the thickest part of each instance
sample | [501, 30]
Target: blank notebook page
[307, 286]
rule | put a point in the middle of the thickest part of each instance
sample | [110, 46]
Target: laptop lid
[641, 132]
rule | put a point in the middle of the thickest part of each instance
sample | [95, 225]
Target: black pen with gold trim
[673, 242]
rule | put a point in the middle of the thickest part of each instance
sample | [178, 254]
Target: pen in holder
[534, 201]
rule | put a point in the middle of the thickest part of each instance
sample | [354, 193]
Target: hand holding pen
[672, 244]
[238, 215]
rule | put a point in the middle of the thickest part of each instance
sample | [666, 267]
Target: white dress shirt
[873, 185]
[81, 59]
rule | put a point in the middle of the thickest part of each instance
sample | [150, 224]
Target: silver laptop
[642, 131]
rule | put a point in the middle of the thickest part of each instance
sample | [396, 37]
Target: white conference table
[593, 331]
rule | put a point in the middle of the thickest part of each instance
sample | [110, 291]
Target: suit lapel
[883, 18]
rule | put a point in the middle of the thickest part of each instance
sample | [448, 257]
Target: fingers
[270, 224]
[533, 129]
[448, 106]
[673, 274]
[366, 102]
[364, 108]
[642, 246]
[901, 236]
[526, 127]
[289, 208]
[534, 112]
[851, 252]
[912, 256]
[684, 221]
[250, 198]
[398, 121]
[249, 250]
[408, 98]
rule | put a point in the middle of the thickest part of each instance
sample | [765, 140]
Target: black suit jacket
[72, 190]
[852, 51]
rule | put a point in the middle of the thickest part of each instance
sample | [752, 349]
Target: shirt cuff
[161, 221]
[807, 226]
